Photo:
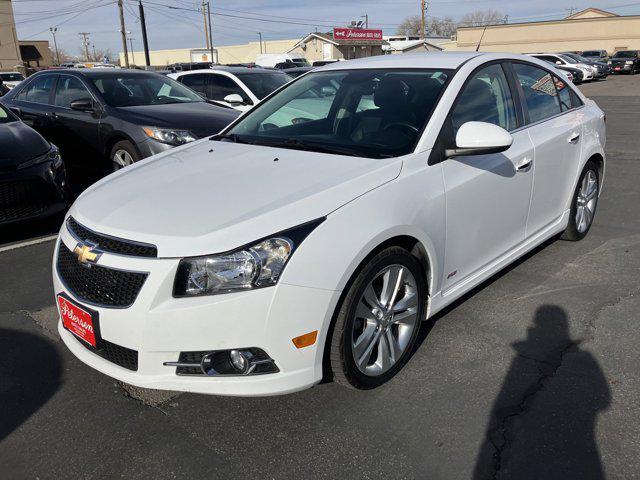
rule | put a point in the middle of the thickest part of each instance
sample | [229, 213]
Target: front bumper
[32, 193]
[159, 327]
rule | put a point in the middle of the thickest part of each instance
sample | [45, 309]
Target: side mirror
[82, 105]
[480, 138]
[234, 99]
[328, 91]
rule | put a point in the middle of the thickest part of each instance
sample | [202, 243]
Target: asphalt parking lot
[535, 375]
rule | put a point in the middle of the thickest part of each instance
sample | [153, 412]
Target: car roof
[101, 72]
[233, 70]
[444, 60]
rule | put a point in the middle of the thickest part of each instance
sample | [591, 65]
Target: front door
[487, 196]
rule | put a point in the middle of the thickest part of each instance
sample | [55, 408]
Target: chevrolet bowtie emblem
[86, 254]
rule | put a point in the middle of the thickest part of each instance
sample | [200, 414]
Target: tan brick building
[9, 48]
[590, 29]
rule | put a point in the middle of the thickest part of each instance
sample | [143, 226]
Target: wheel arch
[116, 137]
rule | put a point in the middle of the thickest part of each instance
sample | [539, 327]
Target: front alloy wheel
[378, 322]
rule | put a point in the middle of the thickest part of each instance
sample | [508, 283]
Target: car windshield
[567, 58]
[135, 90]
[262, 84]
[576, 57]
[627, 54]
[591, 53]
[11, 77]
[5, 116]
[367, 113]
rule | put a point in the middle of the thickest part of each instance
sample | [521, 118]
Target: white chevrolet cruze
[292, 248]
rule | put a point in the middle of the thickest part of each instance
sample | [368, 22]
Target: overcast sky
[181, 27]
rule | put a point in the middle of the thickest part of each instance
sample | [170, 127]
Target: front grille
[110, 244]
[98, 285]
[24, 199]
[122, 356]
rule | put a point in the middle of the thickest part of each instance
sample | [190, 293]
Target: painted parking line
[35, 241]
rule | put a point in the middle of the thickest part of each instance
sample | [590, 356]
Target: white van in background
[278, 60]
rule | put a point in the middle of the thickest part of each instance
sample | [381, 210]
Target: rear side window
[539, 90]
[38, 90]
[563, 94]
[486, 98]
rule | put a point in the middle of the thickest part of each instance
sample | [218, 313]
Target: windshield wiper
[296, 144]
[234, 137]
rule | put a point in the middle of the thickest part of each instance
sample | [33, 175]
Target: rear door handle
[574, 138]
[523, 164]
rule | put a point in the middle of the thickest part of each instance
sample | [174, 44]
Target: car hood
[19, 143]
[210, 196]
[200, 118]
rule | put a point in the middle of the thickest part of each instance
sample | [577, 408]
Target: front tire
[584, 203]
[378, 321]
[123, 154]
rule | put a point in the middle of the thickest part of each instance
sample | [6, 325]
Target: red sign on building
[357, 34]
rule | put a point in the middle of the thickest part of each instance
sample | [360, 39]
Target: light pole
[53, 31]
[260, 34]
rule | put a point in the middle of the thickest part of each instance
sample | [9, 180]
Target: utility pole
[260, 33]
[123, 34]
[133, 55]
[85, 42]
[204, 17]
[53, 31]
[145, 43]
[366, 20]
[423, 7]
[210, 32]
[571, 10]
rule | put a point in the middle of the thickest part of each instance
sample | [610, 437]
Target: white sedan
[589, 72]
[236, 87]
[271, 256]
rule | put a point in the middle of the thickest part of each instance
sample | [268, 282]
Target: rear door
[487, 196]
[554, 123]
[33, 104]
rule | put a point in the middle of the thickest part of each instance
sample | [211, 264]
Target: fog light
[239, 361]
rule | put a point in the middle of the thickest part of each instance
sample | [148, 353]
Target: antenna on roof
[481, 37]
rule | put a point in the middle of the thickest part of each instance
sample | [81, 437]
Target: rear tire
[378, 322]
[123, 154]
[584, 203]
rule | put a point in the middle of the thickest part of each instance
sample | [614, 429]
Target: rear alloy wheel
[379, 320]
[123, 154]
[585, 202]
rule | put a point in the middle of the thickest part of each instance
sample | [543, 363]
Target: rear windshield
[627, 54]
[11, 77]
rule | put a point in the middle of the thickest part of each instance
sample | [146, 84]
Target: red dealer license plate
[80, 321]
[617, 68]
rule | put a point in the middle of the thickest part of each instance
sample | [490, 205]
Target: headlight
[52, 155]
[628, 62]
[256, 266]
[169, 135]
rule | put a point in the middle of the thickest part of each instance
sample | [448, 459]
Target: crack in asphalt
[499, 436]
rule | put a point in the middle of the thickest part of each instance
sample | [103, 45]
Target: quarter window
[196, 82]
[486, 98]
[38, 90]
[69, 89]
[539, 90]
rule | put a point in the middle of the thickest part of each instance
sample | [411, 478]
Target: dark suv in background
[625, 61]
[117, 115]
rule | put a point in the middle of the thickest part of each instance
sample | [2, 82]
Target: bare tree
[410, 26]
[437, 27]
[480, 18]
[97, 54]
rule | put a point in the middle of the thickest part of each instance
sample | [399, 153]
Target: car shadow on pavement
[542, 424]
[30, 374]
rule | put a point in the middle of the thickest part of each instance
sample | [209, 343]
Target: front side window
[196, 82]
[370, 113]
[486, 98]
[540, 92]
[69, 89]
[221, 86]
[262, 84]
[38, 90]
[143, 89]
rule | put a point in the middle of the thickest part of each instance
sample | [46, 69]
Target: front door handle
[574, 138]
[524, 164]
